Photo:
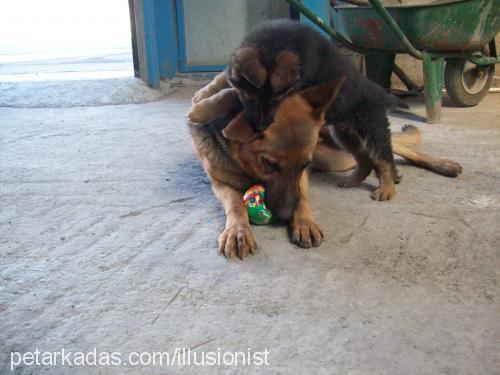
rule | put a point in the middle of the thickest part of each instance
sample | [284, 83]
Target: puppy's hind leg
[372, 150]
[387, 177]
[362, 170]
[350, 141]
[381, 154]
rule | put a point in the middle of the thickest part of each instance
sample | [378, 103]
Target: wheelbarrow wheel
[466, 83]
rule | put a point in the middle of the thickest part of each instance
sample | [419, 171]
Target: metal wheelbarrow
[461, 32]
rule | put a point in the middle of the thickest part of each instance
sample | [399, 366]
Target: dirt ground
[108, 240]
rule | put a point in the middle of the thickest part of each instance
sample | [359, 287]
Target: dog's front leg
[305, 231]
[237, 239]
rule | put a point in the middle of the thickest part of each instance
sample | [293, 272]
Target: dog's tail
[393, 103]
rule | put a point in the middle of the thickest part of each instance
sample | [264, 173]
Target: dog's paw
[195, 116]
[349, 182]
[448, 168]
[192, 118]
[383, 193]
[354, 179]
[196, 98]
[237, 240]
[306, 233]
[200, 95]
[200, 113]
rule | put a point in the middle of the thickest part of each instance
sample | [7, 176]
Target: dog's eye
[270, 166]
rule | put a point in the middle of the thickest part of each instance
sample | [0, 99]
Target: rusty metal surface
[459, 26]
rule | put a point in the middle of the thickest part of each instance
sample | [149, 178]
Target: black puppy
[283, 56]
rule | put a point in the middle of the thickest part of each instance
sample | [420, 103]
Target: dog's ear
[245, 63]
[320, 97]
[239, 130]
[286, 72]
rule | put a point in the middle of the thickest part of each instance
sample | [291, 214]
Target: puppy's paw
[200, 113]
[306, 233]
[448, 168]
[383, 193]
[237, 240]
[196, 98]
[356, 178]
[200, 95]
[349, 182]
[192, 118]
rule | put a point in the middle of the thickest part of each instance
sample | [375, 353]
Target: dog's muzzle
[282, 202]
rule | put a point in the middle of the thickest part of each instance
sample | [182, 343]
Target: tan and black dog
[235, 156]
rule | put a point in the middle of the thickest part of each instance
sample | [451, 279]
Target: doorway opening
[65, 40]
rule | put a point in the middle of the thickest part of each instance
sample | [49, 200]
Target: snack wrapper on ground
[256, 208]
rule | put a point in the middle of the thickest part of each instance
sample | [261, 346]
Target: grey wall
[214, 28]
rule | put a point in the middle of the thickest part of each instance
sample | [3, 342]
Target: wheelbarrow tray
[466, 25]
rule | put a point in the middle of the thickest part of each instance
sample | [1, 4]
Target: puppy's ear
[245, 63]
[286, 72]
[239, 130]
[320, 97]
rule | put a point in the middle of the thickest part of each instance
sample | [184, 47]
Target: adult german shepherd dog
[235, 157]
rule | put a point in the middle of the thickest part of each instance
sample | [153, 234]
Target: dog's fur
[281, 57]
[278, 157]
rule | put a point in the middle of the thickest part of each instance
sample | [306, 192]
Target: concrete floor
[109, 232]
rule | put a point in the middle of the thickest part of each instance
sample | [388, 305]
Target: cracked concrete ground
[109, 234]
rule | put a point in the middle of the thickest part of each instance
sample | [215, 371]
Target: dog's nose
[283, 205]
[284, 213]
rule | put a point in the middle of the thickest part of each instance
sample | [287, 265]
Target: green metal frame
[433, 85]
[433, 62]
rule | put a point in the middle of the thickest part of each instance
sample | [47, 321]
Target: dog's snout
[282, 201]
[284, 212]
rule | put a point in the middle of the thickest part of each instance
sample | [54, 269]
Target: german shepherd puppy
[235, 156]
[280, 57]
